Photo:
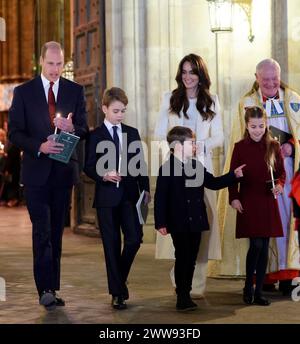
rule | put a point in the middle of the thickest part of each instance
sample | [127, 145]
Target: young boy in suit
[119, 183]
[179, 207]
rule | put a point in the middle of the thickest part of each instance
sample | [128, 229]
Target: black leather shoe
[261, 301]
[59, 301]
[185, 304]
[248, 297]
[48, 300]
[118, 302]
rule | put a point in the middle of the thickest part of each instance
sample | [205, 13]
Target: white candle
[272, 179]
[119, 168]
[57, 116]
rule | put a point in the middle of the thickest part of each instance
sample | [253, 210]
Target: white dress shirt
[110, 129]
[46, 85]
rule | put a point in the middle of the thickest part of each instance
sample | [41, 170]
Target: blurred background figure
[10, 160]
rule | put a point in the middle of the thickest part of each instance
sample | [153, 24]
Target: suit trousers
[186, 246]
[119, 260]
[47, 206]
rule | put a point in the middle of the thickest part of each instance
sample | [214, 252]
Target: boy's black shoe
[261, 301]
[185, 304]
[118, 302]
[248, 297]
[47, 299]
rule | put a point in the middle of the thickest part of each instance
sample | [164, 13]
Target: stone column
[126, 58]
[280, 35]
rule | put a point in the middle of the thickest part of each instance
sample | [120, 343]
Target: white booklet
[142, 208]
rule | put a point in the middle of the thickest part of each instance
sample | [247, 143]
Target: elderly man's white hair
[266, 64]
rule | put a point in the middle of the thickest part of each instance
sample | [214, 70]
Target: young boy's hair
[179, 134]
[114, 94]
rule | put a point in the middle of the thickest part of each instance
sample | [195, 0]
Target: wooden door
[89, 71]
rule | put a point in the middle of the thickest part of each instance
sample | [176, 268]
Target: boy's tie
[117, 144]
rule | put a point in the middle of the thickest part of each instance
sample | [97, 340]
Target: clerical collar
[264, 98]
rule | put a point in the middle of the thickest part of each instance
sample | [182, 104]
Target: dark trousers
[256, 261]
[47, 206]
[186, 246]
[119, 260]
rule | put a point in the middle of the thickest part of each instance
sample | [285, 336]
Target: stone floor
[84, 287]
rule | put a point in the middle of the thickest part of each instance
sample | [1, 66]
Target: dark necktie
[51, 103]
[117, 144]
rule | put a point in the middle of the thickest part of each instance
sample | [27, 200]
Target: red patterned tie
[51, 103]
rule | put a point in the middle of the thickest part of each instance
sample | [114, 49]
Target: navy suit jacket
[29, 127]
[106, 193]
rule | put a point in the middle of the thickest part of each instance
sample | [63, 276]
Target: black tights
[256, 261]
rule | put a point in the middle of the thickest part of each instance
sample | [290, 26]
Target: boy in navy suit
[179, 207]
[119, 183]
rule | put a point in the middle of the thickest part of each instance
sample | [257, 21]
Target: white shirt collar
[46, 85]
[110, 125]
[46, 82]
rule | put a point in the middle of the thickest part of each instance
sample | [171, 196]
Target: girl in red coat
[254, 199]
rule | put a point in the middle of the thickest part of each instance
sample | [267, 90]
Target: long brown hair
[272, 145]
[179, 100]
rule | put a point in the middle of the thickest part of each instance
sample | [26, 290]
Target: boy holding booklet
[120, 174]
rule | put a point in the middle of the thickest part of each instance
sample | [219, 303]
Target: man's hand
[237, 205]
[50, 146]
[112, 176]
[163, 231]
[64, 124]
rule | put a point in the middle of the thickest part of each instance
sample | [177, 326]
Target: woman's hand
[239, 171]
[237, 205]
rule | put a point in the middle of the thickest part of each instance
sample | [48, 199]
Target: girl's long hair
[179, 100]
[273, 146]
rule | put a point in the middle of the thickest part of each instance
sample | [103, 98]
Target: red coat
[260, 217]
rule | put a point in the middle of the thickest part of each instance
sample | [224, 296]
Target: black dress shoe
[48, 300]
[185, 304]
[261, 301]
[248, 297]
[118, 302]
[59, 301]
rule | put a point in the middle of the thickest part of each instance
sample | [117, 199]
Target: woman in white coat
[192, 105]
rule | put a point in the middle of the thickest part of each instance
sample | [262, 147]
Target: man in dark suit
[119, 182]
[48, 183]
